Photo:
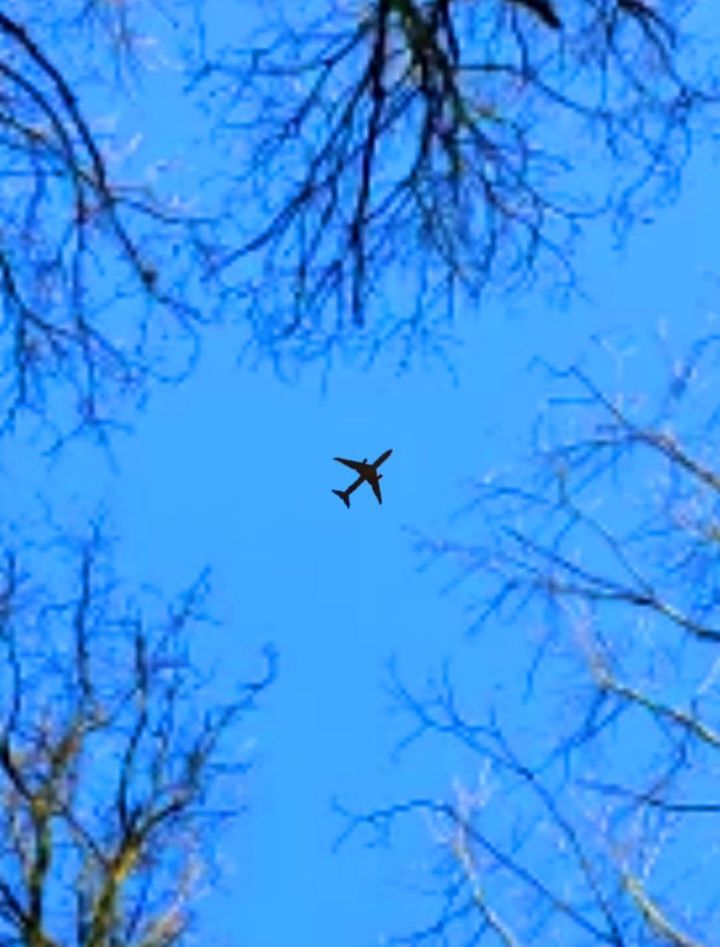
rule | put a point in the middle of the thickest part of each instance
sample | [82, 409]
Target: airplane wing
[374, 480]
[357, 465]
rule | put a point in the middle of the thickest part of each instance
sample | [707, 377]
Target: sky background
[234, 469]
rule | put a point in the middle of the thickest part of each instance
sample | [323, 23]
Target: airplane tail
[344, 496]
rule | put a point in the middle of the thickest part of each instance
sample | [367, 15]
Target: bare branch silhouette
[109, 772]
[95, 273]
[593, 578]
[425, 144]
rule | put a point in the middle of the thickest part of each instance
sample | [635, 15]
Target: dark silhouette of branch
[414, 140]
[544, 10]
[108, 773]
[92, 270]
[593, 573]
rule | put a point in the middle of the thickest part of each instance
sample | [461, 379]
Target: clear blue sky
[235, 469]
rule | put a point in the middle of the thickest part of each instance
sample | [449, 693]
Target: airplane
[368, 474]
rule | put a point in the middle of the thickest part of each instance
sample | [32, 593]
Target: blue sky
[235, 469]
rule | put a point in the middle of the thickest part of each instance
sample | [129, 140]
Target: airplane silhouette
[368, 474]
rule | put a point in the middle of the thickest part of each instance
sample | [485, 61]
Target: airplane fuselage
[359, 482]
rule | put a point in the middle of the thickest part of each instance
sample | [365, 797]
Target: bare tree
[591, 725]
[111, 771]
[433, 145]
[438, 146]
[97, 275]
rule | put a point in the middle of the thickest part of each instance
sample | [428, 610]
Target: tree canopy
[449, 147]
